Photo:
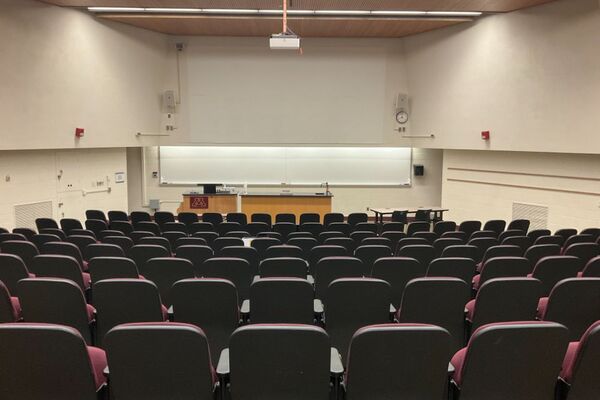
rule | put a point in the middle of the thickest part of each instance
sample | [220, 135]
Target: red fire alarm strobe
[485, 135]
[79, 132]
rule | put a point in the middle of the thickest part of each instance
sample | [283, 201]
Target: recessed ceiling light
[398, 13]
[116, 9]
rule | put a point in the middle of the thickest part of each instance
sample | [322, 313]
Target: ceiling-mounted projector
[283, 41]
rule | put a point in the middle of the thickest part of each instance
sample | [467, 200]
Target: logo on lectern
[199, 202]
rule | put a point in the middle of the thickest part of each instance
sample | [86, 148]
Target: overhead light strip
[244, 11]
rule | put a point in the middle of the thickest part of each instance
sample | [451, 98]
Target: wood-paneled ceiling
[305, 26]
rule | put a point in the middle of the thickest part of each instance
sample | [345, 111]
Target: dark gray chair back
[197, 227]
[343, 227]
[236, 270]
[213, 218]
[468, 227]
[503, 267]
[164, 272]
[262, 217]
[290, 267]
[57, 266]
[163, 217]
[420, 226]
[284, 250]
[421, 252]
[64, 249]
[306, 244]
[12, 270]
[25, 250]
[27, 232]
[45, 223]
[42, 238]
[369, 254]
[313, 227]
[285, 228]
[189, 241]
[537, 252]
[246, 253]
[440, 244]
[521, 224]
[452, 267]
[581, 371]
[261, 245]
[156, 241]
[591, 270]
[96, 214]
[293, 304]
[464, 251]
[197, 255]
[140, 253]
[348, 243]
[496, 225]
[553, 269]
[328, 269]
[112, 268]
[188, 218]
[122, 226]
[397, 271]
[322, 251]
[103, 250]
[441, 227]
[584, 251]
[358, 236]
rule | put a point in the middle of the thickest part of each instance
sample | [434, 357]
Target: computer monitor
[210, 188]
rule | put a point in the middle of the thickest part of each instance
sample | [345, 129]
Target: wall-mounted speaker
[419, 170]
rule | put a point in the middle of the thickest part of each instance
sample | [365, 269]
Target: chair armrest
[170, 313]
[392, 312]
[336, 366]
[451, 369]
[255, 278]
[310, 279]
[223, 365]
[318, 306]
[106, 372]
[245, 310]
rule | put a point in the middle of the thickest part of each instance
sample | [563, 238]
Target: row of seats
[519, 360]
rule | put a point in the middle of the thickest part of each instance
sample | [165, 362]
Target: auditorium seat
[517, 361]
[262, 217]
[164, 272]
[394, 236]
[482, 244]
[103, 250]
[124, 242]
[397, 271]
[108, 232]
[160, 361]
[246, 253]
[156, 241]
[27, 232]
[276, 361]
[393, 227]
[358, 236]
[452, 267]
[397, 361]
[261, 245]
[3, 230]
[122, 226]
[239, 218]
[377, 241]
[322, 251]
[424, 254]
[419, 226]
[42, 238]
[310, 218]
[140, 253]
[83, 232]
[520, 224]
[368, 254]
[254, 228]
[342, 227]
[147, 226]
[23, 249]
[284, 250]
[504, 300]
[289, 267]
[440, 244]
[162, 217]
[591, 269]
[178, 227]
[5, 237]
[45, 223]
[68, 224]
[112, 268]
[484, 233]
[553, 269]
[410, 241]
[436, 301]
[499, 251]
[536, 252]
[366, 226]
[352, 303]
[201, 227]
[187, 218]
[441, 227]
[65, 249]
[313, 227]
[210, 237]
[329, 234]
[456, 235]
[113, 215]
[583, 251]
[468, 227]
[12, 270]
[139, 216]
[285, 218]
[285, 228]
[226, 227]
[10, 307]
[550, 239]
[96, 214]
[348, 243]
[173, 236]
[502, 267]
[306, 244]
[429, 236]
[121, 301]
[330, 218]
[464, 251]
[96, 226]
[55, 231]
[59, 266]
[566, 233]
[236, 270]
[533, 235]
[211, 304]
[82, 242]
[65, 368]
[579, 374]
[328, 269]
[56, 301]
[510, 233]
[573, 302]
[495, 225]
[523, 242]
[595, 232]
[356, 218]
[281, 300]
[196, 254]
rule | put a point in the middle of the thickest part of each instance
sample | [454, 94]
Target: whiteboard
[231, 165]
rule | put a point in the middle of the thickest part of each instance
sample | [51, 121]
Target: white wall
[238, 91]
[484, 184]
[425, 190]
[531, 77]
[33, 176]
[61, 68]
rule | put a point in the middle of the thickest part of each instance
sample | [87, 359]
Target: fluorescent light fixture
[455, 13]
[341, 12]
[116, 9]
[229, 11]
[248, 11]
[398, 13]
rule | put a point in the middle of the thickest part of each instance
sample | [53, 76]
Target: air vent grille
[537, 214]
[26, 214]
